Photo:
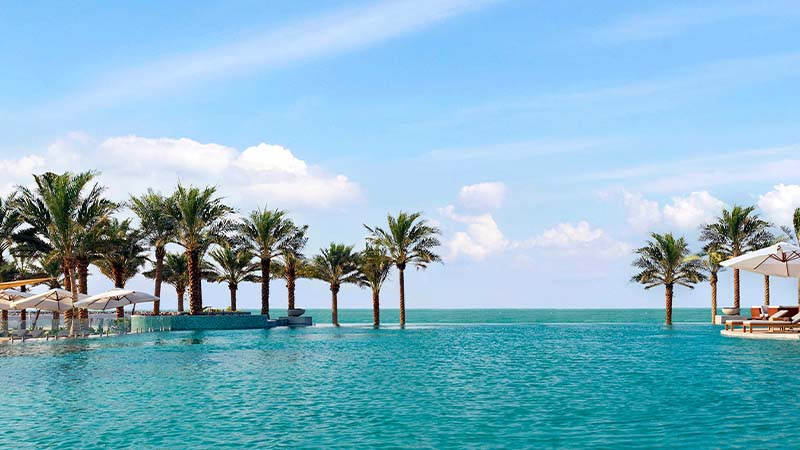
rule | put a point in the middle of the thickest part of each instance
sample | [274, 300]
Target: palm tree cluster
[666, 260]
[63, 224]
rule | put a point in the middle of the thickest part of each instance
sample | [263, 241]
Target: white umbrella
[56, 300]
[114, 299]
[7, 297]
[781, 260]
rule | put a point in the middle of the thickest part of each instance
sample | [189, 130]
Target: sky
[545, 139]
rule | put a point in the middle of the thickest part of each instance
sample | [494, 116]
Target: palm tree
[175, 273]
[9, 222]
[232, 266]
[374, 267]
[408, 240]
[793, 233]
[49, 266]
[264, 231]
[736, 231]
[336, 265]
[123, 254]
[291, 264]
[666, 261]
[201, 218]
[158, 225]
[52, 209]
[711, 264]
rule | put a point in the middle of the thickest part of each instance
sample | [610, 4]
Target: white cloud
[483, 195]
[567, 235]
[642, 213]
[779, 203]
[481, 239]
[693, 210]
[685, 212]
[261, 173]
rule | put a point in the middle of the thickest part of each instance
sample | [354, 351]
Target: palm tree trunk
[195, 288]
[291, 281]
[265, 287]
[334, 305]
[798, 291]
[713, 281]
[376, 308]
[83, 284]
[669, 304]
[4, 320]
[402, 297]
[74, 288]
[180, 293]
[119, 283]
[736, 288]
[232, 287]
[766, 290]
[161, 252]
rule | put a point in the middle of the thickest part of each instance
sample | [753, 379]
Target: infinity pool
[431, 385]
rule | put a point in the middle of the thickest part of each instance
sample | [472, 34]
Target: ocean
[451, 379]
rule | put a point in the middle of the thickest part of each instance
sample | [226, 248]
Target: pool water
[466, 383]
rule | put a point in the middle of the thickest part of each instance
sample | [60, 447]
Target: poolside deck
[762, 334]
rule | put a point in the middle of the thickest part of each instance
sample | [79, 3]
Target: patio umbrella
[56, 300]
[780, 260]
[7, 297]
[115, 298]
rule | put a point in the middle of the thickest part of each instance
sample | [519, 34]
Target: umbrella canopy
[7, 297]
[114, 299]
[18, 283]
[780, 260]
[52, 300]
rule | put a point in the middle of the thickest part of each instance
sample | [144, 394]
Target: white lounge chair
[732, 323]
[794, 322]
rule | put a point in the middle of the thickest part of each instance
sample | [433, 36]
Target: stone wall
[179, 323]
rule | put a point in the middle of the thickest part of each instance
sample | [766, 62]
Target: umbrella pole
[36, 319]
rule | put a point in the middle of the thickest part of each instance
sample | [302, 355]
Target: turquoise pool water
[467, 383]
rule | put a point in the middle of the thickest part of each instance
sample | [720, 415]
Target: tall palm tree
[264, 231]
[736, 231]
[9, 222]
[409, 240]
[232, 266]
[123, 254]
[158, 225]
[175, 273]
[201, 218]
[711, 264]
[53, 207]
[793, 233]
[291, 264]
[666, 261]
[374, 267]
[336, 265]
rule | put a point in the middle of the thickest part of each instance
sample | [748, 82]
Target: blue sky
[545, 138]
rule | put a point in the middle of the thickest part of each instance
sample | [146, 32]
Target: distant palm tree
[158, 226]
[408, 240]
[201, 219]
[123, 254]
[291, 264]
[232, 266]
[711, 264]
[264, 231]
[666, 261]
[53, 210]
[175, 273]
[336, 265]
[793, 233]
[374, 267]
[49, 266]
[736, 231]
[9, 222]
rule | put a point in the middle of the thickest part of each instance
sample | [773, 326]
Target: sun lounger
[19, 334]
[771, 325]
[731, 324]
[36, 333]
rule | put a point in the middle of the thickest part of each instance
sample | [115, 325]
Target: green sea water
[452, 379]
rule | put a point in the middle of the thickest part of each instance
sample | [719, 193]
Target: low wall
[180, 323]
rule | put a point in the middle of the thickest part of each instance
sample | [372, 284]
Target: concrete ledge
[181, 323]
[776, 335]
[303, 321]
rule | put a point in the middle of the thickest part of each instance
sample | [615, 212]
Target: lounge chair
[36, 333]
[771, 325]
[732, 323]
[20, 333]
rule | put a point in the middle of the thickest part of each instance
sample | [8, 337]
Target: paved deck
[775, 335]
